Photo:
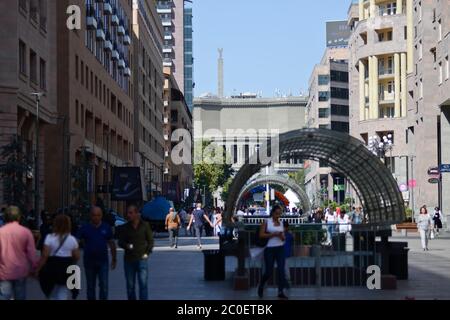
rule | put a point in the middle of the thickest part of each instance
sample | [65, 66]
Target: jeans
[60, 292]
[94, 271]
[198, 232]
[137, 269]
[424, 234]
[272, 255]
[330, 228]
[173, 237]
[10, 289]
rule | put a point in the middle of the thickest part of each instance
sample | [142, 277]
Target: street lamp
[38, 96]
[379, 146]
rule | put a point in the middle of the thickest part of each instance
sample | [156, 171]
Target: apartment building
[148, 94]
[178, 176]
[95, 89]
[380, 58]
[28, 65]
[172, 17]
[188, 59]
[428, 131]
[328, 108]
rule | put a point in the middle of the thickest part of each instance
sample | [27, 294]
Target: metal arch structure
[279, 180]
[374, 183]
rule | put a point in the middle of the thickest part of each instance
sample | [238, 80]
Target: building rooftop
[249, 100]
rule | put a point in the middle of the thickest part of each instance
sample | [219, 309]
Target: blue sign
[445, 168]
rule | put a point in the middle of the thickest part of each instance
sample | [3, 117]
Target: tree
[14, 168]
[298, 177]
[211, 168]
[80, 176]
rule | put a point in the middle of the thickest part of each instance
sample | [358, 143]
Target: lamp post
[38, 96]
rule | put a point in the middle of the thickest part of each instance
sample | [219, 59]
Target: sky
[268, 45]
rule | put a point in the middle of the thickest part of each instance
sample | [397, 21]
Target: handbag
[432, 235]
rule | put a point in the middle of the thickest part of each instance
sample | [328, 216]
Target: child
[287, 251]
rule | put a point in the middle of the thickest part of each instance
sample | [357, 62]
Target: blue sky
[267, 44]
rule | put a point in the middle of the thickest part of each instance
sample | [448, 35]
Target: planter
[302, 251]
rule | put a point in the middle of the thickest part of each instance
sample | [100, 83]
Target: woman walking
[173, 223]
[424, 224]
[437, 220]
[217, 222]
[272, 230]
[59, 252]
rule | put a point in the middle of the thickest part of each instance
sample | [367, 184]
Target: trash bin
[214, 265]
[398, 260]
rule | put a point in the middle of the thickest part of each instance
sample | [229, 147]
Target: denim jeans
[272, 255]
[173, 237]
[198, 232]
[10, 289]
[137, 269]
[60, 292]
[96, 271]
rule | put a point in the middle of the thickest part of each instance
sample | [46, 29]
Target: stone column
[361, 9]
[372, 9]
[410, 34]
[397, 85]
[375, 92]
[370, 87]
[362, 94]
[404, 84]
[399, 6]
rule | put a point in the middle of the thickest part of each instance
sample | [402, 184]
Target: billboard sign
[338, 34]
[444, 168]
[128, 184]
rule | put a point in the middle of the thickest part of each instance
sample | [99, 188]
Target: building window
[82, 72]
[324, 113]
[441, 73]
[323, 80]
[339, 110]
[388, 9]
[76, 67]
[339, 76]
[33, 66]
[77, 120]
[323, 96]
[22, 57]
[439, 30]
[323, 126]
[339, 93]
[340, 126]
[447, 68]
[43, 74]
[387, 112]
[82, 116]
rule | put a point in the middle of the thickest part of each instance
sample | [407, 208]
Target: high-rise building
[428, 132]
[172, 16]
[28, 65]
[188, 59]
[328, 108]
[148, 93]
[380, 58]
[95, 90]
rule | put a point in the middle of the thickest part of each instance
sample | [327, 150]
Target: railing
[258, 220]
[321, 255]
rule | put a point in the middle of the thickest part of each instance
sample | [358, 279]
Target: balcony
[108, 46]
[167, 49]
[115, 55]
[115, 20]
[168, 36]
[107, 9]
[127, 72]
[386, 72]
[100, 35]
[167, 63]
[166, 153]
[166, 104]
[386, 98]
[91, 23]
[166, 137]
[127, 40]
[121, 31]
[166, 119]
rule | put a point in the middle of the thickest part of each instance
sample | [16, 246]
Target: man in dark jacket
[136, 237]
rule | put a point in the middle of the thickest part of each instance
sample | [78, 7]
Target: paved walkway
[178, 274]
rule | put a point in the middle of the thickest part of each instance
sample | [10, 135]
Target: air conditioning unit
[115, 20]
[100, 34]
[127, 40]
[108, 46]
[127, 72]
[121, 31]
[121, 63]
[115, 55]
[107, 9]
[91, 23]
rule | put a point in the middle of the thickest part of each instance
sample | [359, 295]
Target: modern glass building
[188, 59]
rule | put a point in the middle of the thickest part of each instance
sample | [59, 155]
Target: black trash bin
[398, 260]
[214, 265]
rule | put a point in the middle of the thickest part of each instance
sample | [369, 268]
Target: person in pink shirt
[17, 256]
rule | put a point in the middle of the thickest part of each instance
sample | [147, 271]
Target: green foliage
[14, 168]
[211, 168]
[298, 177]
[409, 215]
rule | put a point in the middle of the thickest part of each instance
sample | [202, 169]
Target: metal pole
[36, 161]
[267, 193]
[412, 189]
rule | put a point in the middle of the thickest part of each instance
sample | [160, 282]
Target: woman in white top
[273, 231]
[59, 252]
[424, 224]
[330, 220]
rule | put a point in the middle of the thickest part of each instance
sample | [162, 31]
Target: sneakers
[282, 296]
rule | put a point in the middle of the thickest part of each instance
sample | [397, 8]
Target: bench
[407, 227]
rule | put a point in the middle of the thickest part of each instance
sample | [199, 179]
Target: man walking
[198, 217]
[96, 237]
[136, 238]
[17, 256]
